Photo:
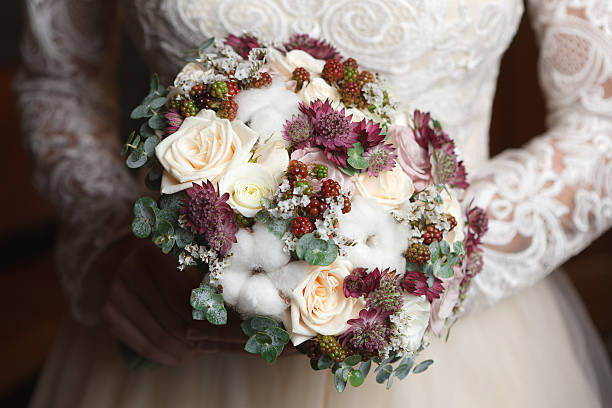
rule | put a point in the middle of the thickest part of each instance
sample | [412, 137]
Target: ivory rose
[411, 157]
[391, 189]
[204, 148]
[285, 64]
[274, 156]
[318, 304]
[246, 185]
[317, 88]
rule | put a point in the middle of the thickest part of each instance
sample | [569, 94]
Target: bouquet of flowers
[312, 205]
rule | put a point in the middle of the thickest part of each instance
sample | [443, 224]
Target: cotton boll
[259, 297]
[289, 276]
[267, 109]
[243, 249]
[232, 280]
[267, 250]
[380, 240]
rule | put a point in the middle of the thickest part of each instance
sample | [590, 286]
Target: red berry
[197, 91]
[333, 70]
[301, 226]
[330, 188]
[451, 220]
[298, 169]
[351, 63]
[431, 234]
[347, 205]
[232, 88]
[316, 207]
[351, 93]
[264, 80]
[228, 109]
[364, 78]
[300, 75]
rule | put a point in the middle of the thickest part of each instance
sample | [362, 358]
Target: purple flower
[205, 213]
[369, 333]
[478, 221]
[174, 120]
[243, 44]
[298, 131]
[387, 297]
[319, 49]
[353, 283]
[369, 134]
[380, 158]
[372, 280]
[416, 283]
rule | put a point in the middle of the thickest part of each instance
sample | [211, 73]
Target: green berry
[308, 190]
[189, 108]
[320, 171]
[219, 89]
[350, 75]
[245, 221]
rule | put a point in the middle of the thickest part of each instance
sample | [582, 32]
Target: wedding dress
[546, 201]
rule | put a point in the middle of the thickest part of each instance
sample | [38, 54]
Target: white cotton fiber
[289, 276]
[259, 296]
[242, 249]
[380, 239]
[267, 250]
[266, 110]
[232, 280]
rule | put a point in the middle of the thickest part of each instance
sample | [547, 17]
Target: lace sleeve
[68, 103]
[550, 199]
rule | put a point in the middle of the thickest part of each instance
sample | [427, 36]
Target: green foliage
[267, 337]
[443, 258]
[278, 226]
[355, 158]
[209, 302]
[200, 52]
[422, 366]
[316, 251]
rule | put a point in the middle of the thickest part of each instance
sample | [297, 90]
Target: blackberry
[189, 108]
[350, 75]
[350, 93]
[263, 81]
[452, 221]
[330, 346]
[232, 88]
[347, 205]
[320, 171]
[219, 89]
[298, 169]
[351, 63]
[316, 207]
[365, 77]
[197, 91]
[431, 234]
[418, 253]
[208, 102]
[228, 110]
[330, 188]
[333, 70]
[300, 75]
[301, 226]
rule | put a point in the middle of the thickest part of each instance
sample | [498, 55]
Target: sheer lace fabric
[549, 200]
[546, 201]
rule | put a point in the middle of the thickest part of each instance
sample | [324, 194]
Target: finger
[134, 310]
[123, 328]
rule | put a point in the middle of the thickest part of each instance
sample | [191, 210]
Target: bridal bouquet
[312, 205]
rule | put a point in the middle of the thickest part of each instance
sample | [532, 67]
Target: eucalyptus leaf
[146, 208]
[458, 247]
[137, 158]
[352, 360]
[216, 314]
[149, 145]
[434, 250]
[262, 323]
[384, 373]
[263, 217]
[247, 328]
[339, 380]
[389, 382]
[422, 366]
[157, 122]
[141, 228]
[183, 237]
[349, 171]
[206, 43]
[446, 271]
[278, 227]
[140, 112]
[280, 337]
[172, 203]
[154, 83]
[252, 345]
[365, 367]
[158, 102]
[145, 130]
[152, 182]
[269, 353]
[452, 259]
[203, 297]
[404, 368]
[197, 315]
[356, 378]
[324, 362]
[444, 247]
[355, 158]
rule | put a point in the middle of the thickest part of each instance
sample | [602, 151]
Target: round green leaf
[252, 345]
[157, 122]
[150, 144]
[137, 158]
[158, 102]
[384, 373]
[202, 297]
[452, 259]
[262, 323]
[247, 328]
[139, 112]
[356, 378]
[324, 362]
[141, 228]
[422, 366]
[445, 271]
[217, 315]
[198, 315]
[352, 360]
[279, 336]
[444, 247]
[183, 237]
[269, 353]
[458, 247]
[145, 130]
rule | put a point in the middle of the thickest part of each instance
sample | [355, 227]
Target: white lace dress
[546, 201]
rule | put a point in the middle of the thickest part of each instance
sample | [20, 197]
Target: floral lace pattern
[439, 55]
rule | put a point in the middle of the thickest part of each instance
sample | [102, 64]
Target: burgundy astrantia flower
[319, 49]
[372, 280]
[369, 134]
[478, 221]
[369, 333]
[416, 283]
[205, 213]
[332, 130]
[174, 120]
[243, 44]
[387, 297]
[298, 131]
[380, 158]
[353, 283]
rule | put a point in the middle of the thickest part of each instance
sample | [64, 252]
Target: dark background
[31, 303]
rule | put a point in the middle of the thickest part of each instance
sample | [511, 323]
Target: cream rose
[274, 156]
[319, 89]
[204, 148]
[391, 189]
[451, 206]
[285, 64]
[318, 304]
[247, 184]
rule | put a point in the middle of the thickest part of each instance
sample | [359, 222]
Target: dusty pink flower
[411, 157]
[243, 44]
[319, 49]
[442, 308]
[174, 120]
[416, 283]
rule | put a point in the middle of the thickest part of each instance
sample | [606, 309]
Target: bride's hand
[148, 306]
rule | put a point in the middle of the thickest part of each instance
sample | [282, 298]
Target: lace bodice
[547, 201]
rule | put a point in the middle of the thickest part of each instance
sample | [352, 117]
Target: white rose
[319, 89]
[411, 322]
[391, 189]
[286, 64]
[274, 156]
[247, 184]
[204, 148]
[451, 206]
[318, 304]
